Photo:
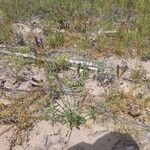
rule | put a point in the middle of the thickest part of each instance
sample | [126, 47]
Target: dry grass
[19, 113]
[137, 74]
[121, 103]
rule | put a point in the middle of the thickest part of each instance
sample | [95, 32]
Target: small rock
[38, 32]
[23, 33]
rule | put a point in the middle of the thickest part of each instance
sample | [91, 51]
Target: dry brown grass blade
[78, 70]
[19, 113]
[118, 71]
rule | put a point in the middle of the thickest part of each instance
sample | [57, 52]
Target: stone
[23, 33]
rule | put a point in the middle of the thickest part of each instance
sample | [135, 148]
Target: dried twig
[6, 52]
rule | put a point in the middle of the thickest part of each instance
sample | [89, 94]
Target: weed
[137, 74]
[61, 111]
[120, 70]
[57, 64]
[85, 72]
[104, 75]
[55, 40]
[52, 68]
[93, 112]
[101, 67]
[55, 89]
[77, 85]
[74, 119]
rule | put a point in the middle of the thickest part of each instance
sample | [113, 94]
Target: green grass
[76, 85]
[71, 117]
[55, 40]
[57, 64]
[19, 61]
[22, 49]
[130, 18]
[5, 28]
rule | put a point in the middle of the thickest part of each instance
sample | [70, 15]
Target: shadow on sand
[110, 141]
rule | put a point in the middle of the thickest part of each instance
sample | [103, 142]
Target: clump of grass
[101, 43]
[133, 28]
[114, 97]
[5, 30]
[48, 26]
[5, 33]
[58, 63]
[82, 43]
[64, 114]
[55, 40]
[73, 119]
[79, 26]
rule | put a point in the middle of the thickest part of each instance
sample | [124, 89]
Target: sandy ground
[91, 136]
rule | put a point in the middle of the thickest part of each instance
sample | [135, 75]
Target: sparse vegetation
[72, 93]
